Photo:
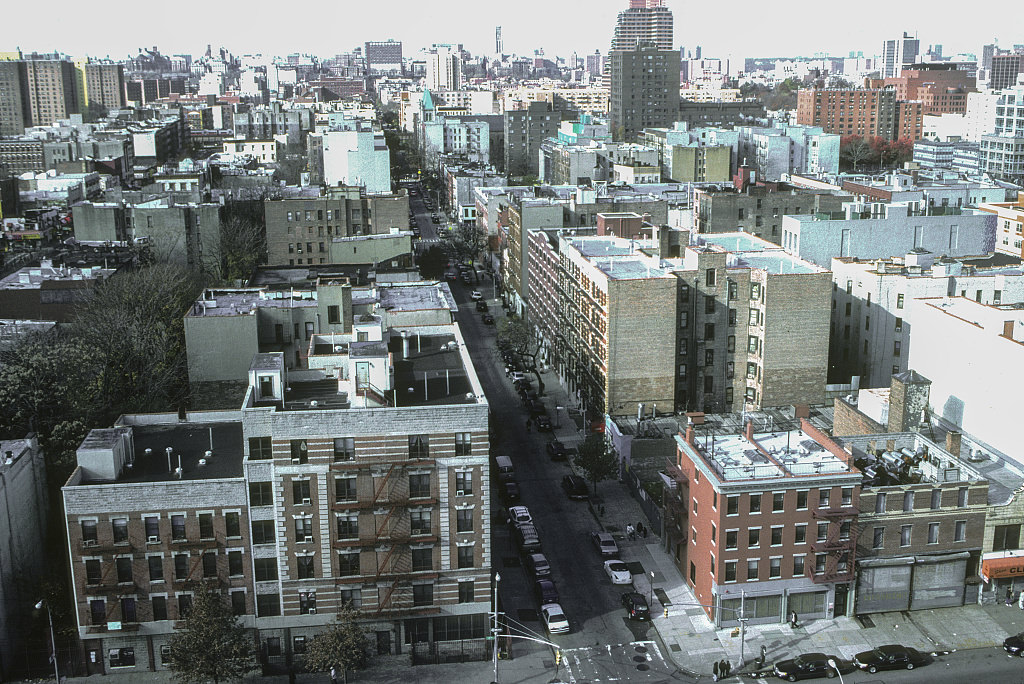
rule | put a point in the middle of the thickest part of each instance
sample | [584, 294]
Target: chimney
[749, 431]
[953, 442]
[1008, 329]
[405, 344]
[689, 435]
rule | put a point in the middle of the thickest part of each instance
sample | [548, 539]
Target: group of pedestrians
[633, 532]
[721, 669]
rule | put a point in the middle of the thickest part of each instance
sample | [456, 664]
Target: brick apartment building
[362, 479]
[763, 525]
[847, 111]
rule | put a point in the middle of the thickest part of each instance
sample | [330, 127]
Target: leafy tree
[212, 645]
[854, 149]
[343, 644]
[516, 335]
[432, 263]
[596, 458]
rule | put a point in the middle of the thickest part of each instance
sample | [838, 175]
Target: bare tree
[243, 245]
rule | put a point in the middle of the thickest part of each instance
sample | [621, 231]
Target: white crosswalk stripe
[635, 661]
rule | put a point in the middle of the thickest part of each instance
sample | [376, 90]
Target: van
[527, 538]
[506, 473]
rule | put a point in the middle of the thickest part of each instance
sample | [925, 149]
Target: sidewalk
[691, 639]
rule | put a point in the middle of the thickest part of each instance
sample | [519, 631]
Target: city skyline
[533, 25]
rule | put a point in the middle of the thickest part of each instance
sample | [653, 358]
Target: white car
[554, 618]
[618, 572]
[476, 295]
[518, 515]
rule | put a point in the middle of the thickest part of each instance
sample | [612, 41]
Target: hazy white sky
[742, 28]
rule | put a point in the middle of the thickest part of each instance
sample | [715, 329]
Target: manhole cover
[640, 649]
[675, 648]
[639, 659]
[643, 667]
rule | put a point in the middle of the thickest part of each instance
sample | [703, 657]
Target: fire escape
[676, 511]
[839, 546]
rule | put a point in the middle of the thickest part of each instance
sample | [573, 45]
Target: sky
[742, 28]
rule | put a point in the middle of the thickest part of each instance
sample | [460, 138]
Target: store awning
[1008, 566]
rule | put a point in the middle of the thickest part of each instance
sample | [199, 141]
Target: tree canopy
[516, 335]
[212, 645]
[343, 644]
[596, 458]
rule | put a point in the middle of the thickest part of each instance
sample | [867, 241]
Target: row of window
[775, 567]
[347, 525]
[119, 528]
[96, 572]
[778, 501]
[935, 500]
[777, 534]
[262, 493]
[261, 448]
[332, 214]
[907, 534]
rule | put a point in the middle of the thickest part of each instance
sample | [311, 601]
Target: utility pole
[743, 624]
[494, 630]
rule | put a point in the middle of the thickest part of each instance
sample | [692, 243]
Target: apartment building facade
[1009, 225]
[644, 89]
[861, 111]
[758, 209]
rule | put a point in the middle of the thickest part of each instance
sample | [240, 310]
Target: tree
[212, 645]
[596, 459]
[515, 334]
[432, 263]
[343, 644]
[854, 149]
[468, 242]
[243, 246]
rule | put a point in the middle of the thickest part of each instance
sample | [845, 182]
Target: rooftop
[735, 242]
[775, 263]
[417, 296]
[34, 277]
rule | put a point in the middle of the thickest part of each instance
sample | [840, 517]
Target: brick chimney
[953, 438]
[749, 431]
[689, 435]
[908, 398]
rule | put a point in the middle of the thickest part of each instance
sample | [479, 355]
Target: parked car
[890, 657]
[545, 591]
[481, 305]
[575, 487]
[518, 515]
[488, 319]
[1014, 645]
[510, 492]
[527, 538]
[557, 450]
[544, 424]
[618, 572]
[516, 376]
[537, 565]
[806, 666]
[554, 618]
[605, 544]
[451, 276]
[636, 606]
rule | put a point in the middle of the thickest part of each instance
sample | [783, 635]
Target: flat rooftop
[418, 296]
[781, 454]
[629, 268]
[735, 242]
[604, 246]
[34, 277]
[775, 262]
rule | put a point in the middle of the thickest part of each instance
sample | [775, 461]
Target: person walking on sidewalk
[714, 672]
[1009, 595]
[726, 668]
[630, 532]
[1020, 601]
[334, 675]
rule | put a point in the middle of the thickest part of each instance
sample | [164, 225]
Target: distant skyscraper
[498, 47]
[382, 56]
[899, 53]
[444, 68]
[644, 90]
[646, 21]
[14, 108]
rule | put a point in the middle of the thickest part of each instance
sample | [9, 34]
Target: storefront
[911, 582]
[1002, 571]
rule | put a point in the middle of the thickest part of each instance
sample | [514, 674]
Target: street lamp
[835, 666]
[53, 642]
[494, 630]
[557, 409]
[650, 604]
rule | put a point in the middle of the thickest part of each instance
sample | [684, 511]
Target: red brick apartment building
[764, 524]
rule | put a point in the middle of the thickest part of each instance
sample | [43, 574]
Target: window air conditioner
[305, 501]
[153, 539]
[90, 542]
[295, 460]
[460, 492]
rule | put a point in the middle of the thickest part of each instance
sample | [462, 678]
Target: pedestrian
[630, 532]
[334, 675]
[1009, 595]
[764, 656]
[645, 532]
[640, 529]
[1020, 601]
[793, 620]
[726, 668]
[714, 672]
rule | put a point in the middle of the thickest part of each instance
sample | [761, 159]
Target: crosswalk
[635, 661]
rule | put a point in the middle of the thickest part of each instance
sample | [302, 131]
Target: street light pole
[650, 603]
[557, 422]
[497, 578]
[53, 642]
[835, 666]
[743, 624]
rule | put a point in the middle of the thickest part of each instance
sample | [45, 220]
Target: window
[709, 304]
[348, 563]
[936, 499]
[709, 277]
[824, 496]
[819, 564]
[755, 290]
[178, 527]
[305, 567]
[801, 501]
[422, 559]
[260, 448]
[184, 605]
[124, 570]
[905, 531]
[351, 597]
[732, 505]
[752, 317]
[263, 532]
[776, 536]
[206, 525]
[156, 568]
[465, 556]
[235, 563]
[709, 384]
[463, 444]
[464, 482]
[120, 527]
[753, 537]
[732, 317]
[733, 290]
[961, 497]
[348, 525]
[896, 347]
[419, 485]
[159, 605]
[730, 571]
[300, 492]
[265, 569]
[752, 568]
[464, 520]
[709, 331]
[908, 501]
[755, 503]
[261, 494]
[419, 446]
[232, 526]
[304, 529]
[345, 488]
[899, 325]
[960, 531]
[344, 449]
[299, 448]
[98, 611]
[899, 301]
[878, 538]
[778, 502]
[152, 524]
[880, 503]
[800, 533]
[752, 370]
[209, 565]
[180, 566]
[93, 572]
[333, 314]
[822, 531]
[423, 595]
[709, 357]
[730, 539]
[730, 344]
[775, 567]
[798, 566]
[933, 533]
[695, 507]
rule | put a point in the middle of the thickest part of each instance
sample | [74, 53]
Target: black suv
[890, 657]
[806, 666]
[636, 606]
[575, 487]
[557, 451]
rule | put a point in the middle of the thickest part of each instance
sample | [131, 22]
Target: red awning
[1010, 566]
